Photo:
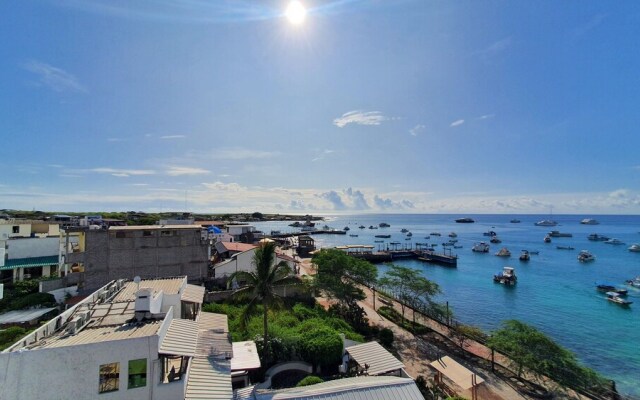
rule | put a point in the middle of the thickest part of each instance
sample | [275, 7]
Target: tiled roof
[375, 356]
[30, 262]
[207, 320]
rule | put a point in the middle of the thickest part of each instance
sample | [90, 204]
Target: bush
[321, 347]
[10, 335]
[309, 380]
[386, 337]
[32, 300]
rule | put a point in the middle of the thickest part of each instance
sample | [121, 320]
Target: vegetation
[24, 294]
[531, 349]
[259, 285]
[386, 337]
[410, 287]
[463, 333]
[310, 380]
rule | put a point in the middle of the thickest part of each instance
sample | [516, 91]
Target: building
[146, 339]
[239, 257]
[148, 251]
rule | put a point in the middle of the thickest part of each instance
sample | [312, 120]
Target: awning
[29, 262]
[193, 294]
[375, 356]
[181, 338]
[456, 373]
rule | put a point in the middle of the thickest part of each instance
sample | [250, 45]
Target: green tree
[410, 287]
[259, 285]
[463, 333]
[321, 347]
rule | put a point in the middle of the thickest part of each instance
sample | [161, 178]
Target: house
[239, 257]
[130, 339]
[372, 359]
[102, 255]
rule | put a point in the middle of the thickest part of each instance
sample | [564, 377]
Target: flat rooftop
[153, 227]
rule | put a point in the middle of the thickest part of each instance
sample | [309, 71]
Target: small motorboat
[489, 233]
[524, 255]
[635, 282]
[565, 248]
[617, 298]
[409, 234]
[466, 220]
[589, 221]
[383, 225]
[547, 239]
[559, 234]
[453, 235]
[503, 252]
[383, 236]
[607, 287]
[495, 239]
[586, 256]
[614, 241]
[404, 230]
[506, 277]
[346, 228]
[435, 234]
[458, 246]
[427, 237]
[353, 235]
[361, 227]
[597, 238]
[635, 248]
[515, 221]
[481, 247]
[373, 227]
[379, 241]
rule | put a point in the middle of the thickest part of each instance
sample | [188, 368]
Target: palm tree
[260, 284]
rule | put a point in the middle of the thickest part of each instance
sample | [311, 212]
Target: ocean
[555, 293]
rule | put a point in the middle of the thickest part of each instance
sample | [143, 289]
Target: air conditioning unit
[74, 325]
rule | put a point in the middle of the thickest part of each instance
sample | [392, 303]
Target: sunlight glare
[296, 13]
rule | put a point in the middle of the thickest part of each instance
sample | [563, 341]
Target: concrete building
[128, 340]
[239, 257]
[103, 255]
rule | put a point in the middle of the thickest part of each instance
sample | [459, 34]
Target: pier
[365, 252]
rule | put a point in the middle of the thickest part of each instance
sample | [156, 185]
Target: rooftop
[167, 285]
[239, 247]
[375, 356]
[153, 227]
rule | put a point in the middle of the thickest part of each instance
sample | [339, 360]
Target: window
[166, 233]
[147, 233]
[137, 373]
[109, 377]
[16, 229]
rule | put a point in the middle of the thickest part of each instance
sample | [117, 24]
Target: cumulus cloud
[334, 198]
[54, 78]
[357, 199]
[457, 123]
[414, 131]
[360, 117]
[179, 171]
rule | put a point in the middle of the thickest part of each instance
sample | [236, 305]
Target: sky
[404, 106]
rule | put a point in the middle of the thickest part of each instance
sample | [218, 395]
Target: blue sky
[367, 106]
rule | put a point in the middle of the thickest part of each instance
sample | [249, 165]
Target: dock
[365, 252]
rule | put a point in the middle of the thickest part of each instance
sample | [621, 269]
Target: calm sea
[555, 292]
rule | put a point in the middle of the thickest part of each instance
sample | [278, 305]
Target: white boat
[635, 282]
[524, 255]
[597, 238]
[589, 221]
[614, 241]
[481, 247]
[635, 248]
[547, 239]
[546, 222]
[586, 256]
[617, 298]
[506, 277]
[453, 234]
[503, 252]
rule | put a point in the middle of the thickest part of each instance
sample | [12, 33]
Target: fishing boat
[547, 239]
[495, 239]
[506, 277]
[383, 236]
[597, 238]
[614, 241]
[635, 248]
[465, 220]
[565, 248]
[524, 255]
[481, 247]
[586, 256]
[383, 225]
[503, 252]
[589, 221]
[559, 234]
[607, 287]
[616, 298]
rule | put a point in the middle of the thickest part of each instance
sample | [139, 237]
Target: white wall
[242, 262]
[33, 247]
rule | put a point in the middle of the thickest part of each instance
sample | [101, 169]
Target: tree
[338, 274]
[260, 285]
[410, 287]
[462, 334]
[322, 347]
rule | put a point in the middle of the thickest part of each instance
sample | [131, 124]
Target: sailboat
[547, 222]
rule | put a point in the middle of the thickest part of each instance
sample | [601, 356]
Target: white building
[146, 340]
[241, 259]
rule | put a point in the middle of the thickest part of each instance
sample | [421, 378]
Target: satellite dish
[137, 279]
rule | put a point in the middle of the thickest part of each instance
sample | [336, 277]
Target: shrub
[10, 335]
[32, 300]
[310, 380]
[386, 337]
[321, 347]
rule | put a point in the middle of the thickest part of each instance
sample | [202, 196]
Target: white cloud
[414, 131]
[487, 116]
[179, 171]
[360, 117]
[54, 78]
[234, 153]
[168, 137]
[121, 172]
[457, 123]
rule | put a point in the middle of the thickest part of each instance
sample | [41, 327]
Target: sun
[295, 13]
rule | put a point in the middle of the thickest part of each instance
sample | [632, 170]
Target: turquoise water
[555, 292]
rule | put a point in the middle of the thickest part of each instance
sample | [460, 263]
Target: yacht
[635, 248]
[559, 234]
[506, 277]
[481, 247]
[466, 220]
[589, 221]
[586, 256]
[617, 298]
[504, 252]
[524, 255]
[383, 225]
[597, 238]
[614, 241]
[546, 222]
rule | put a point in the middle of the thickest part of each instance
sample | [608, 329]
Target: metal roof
[359, 388]
[19, 316]
[181, 338]
[375, 356]
[235, 246]
[168, 286]
[193, 294]
[209, 379]
[245, 356]
[218, 322]
[29, 262]
[456, 372]
[102, 334]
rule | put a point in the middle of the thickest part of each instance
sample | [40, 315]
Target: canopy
[456, 373]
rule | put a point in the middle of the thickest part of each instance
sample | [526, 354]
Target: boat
[616, 298]
[409, 234]
[383, 236]
[524, 255]
[453, 240]
[495, 239]
[506, 277]
[515, 221]
[353, 235]
[379, 241]
[489, 233]
[503, 252]
[296, 224]
[481, 247]
[465, 220]
[589, 221]
[373, 227]
[361, 227]
[635, 282]
[435, 234]
[407, 238]
[447, 244]
[346, 228]
[275, 233]
[427, 237]
[635, 248]
[597, 238]
[547, 239]
[453, 235]
[404, 230]
[614, 241]
[457, 246]
[559, 234]
[565, 248]
[546, 222]
[585, 256]
[383, 225]
[309, 229]
[607, 287]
